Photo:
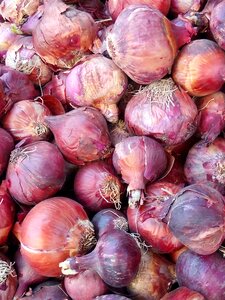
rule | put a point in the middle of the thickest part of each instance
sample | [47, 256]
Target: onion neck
[5, 270]
[110, 191]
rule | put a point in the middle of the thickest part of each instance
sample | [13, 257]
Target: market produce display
[112, 149]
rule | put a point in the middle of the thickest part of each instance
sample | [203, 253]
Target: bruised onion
[97, 82]
[139, 160]
[200, 68]
[162, 110]
[26, 121]
[7, 37]
[81, 135]
[183, 6]
[35, 172]
[182, 293]
[115, 258]
[204, 235]
[206, 164]
[8, 278]
[217, 24]
[7, 145]
[63, 34]
[47, 240]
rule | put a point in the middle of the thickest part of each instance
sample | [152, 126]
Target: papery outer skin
[217, 24]
[139, 160]
[7, 145]
[182, 293]
[142, 43]
[66, 236]
[182, 6]
[202, 273]
[163, 111]
[63, 34]
[35, 172]
[8, 287]
[81, 135]
[7, 37]
[200, 68]
[202, 235]
[206, 164]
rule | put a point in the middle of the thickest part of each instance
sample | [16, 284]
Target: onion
[115, 258]
[96, 186]
[35, 172]
[217, 24]
[108, 219]
[32, 21]
[118, 132]
[8, 278]
[202, 235]
[111, 297]
[154, 277]
[47, 240]
[206, 164]
[175, 175]
[53, 104]
[211, 116]
[7, 37]
[90, 143]
[7, 213]
[139, 160]
[22, 57]
[183, 6]
[97, 82]
[162, 110]
[209, 270]
[85, 285]
[95, 8]
[200, 68]
[183, 293]
[63, 34]
[116, 6]
[26, 121]
[7, 146]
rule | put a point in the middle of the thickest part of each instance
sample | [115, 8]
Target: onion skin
[217, 24]
[32, 21]
[35, 172]
[206, 164]
[200, 68]
[63, 34]
[164, 111]
[183, 6]
[202, 235]
[183, 293]
[90, 143]
[8, 278]
[97, 82]
[210, 270]
[70, 234]
[7, 37]
[7, 145]
[26, 121]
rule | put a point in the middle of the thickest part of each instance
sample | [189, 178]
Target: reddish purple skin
[217, 24]
[182, 293]
[7, 145]
[202, 273]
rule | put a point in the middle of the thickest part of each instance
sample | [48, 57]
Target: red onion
[162, 110]
[139, 160]
[183, 6]
[202, 273]
[7, 213]
[7, 37]
[22, 57]
[97, 82]
[115, 258]
[206, 164]
[91, 142]
[32, 21]
[202, 235]
[47, 240]
[111, 297]
[35, 172]
[200, 68]
[7, 145]
[26, 121]
[27, 276]
[85, 285]
[116, 6]
[154, 278]
[182, 293]
[217, 24]
[8, 278]
[108, 219]
[118, 132]
[211, 116]
[63, 34]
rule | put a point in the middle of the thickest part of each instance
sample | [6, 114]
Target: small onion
[182, 293]
[217, 24]
[7, 37]
[8, 278]
[35, 172]
[200, 68]
[183, 6]
[47, 240]
[7, 145]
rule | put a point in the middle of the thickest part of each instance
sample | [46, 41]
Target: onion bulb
[217, 24]
[7, 145]
[182, 293]
[183, 6]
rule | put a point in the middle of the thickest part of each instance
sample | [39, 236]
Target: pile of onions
[162, 110]
[32, 176]
[82, 135]
[77, 28]
[47, 240]
[200, 68]
[8, 278]
[7, 145]
[7, 37]
[183, 293]
[25, 120]
[97, 82]
[139, 160]
[206, 164]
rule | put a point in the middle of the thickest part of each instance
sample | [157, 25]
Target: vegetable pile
[112, 149]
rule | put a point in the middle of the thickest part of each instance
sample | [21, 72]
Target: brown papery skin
[200, 68]
[182, 293]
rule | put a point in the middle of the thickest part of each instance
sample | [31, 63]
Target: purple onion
[217, 24]
[7, 146]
